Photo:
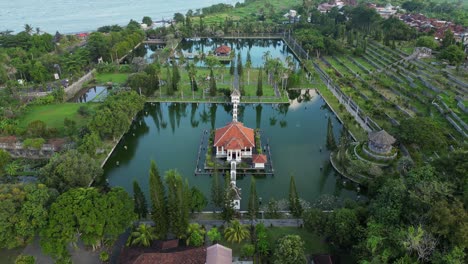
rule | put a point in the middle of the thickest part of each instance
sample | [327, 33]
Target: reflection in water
[97, 93]
[258, 116]
[294, 148]
[194, 122]
[256, 47]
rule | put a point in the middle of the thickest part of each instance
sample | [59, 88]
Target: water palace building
[236, 142]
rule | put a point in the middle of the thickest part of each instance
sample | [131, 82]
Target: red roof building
[223, 50]
[189, 256]
[259, 161]
[234, 141]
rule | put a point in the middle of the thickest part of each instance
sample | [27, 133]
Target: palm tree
[143, 235]
[28, 29]
[236, 232]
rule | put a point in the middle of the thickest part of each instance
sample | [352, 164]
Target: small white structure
[423, 52]
[259, 161]
[218, 254]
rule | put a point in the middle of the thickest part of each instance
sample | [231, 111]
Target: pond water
[257, 48]
[95, 94]
[170, 133]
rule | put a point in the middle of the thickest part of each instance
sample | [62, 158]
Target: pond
[93, 94]
[170, 133]
[257, 48]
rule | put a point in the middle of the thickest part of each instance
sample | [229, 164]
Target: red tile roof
[189, 256]
[259, 158]
[234, 136]
[223, 49]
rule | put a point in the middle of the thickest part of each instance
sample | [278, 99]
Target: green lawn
[103, 78]
[312, 242]
[253, 8]
[53, 115]
[223, 81]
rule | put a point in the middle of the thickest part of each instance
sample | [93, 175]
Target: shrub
[214, 235]
[25, 259]
[247, 251]
[104, 256]
[35, 143]
[84, 111]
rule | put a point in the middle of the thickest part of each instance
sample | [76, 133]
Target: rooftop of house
[189, 256]
[234, 136]
[223, 49]
[260, 158]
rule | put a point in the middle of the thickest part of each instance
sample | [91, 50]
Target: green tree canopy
[69, 170]
[23, 212]
[289, 250]
[91, 214]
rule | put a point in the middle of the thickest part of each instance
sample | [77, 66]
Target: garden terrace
[406, 89]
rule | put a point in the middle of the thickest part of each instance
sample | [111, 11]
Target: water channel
[170, 133]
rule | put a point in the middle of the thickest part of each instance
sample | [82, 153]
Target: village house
[222, 50]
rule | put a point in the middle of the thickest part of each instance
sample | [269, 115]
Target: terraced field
[391, 85]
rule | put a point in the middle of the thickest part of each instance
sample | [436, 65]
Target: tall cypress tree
[240, 68]
[141, 207]
[331, 144]
[175, 76]
[158, 200]
[260, 83]
[213, 89]
[178, 195]
[253, 201]
[227, 214]
[216, 189]
[294, 203]
[169, 88]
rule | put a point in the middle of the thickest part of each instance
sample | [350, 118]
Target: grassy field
[103, 78]
[53, 115]
[223, 81]
[252, 9]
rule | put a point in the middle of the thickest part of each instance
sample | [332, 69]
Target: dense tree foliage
[89, 213]
[23, 212]
[114, 116]
[69, 170]
[289, 250]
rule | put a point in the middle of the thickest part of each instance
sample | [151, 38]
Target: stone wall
[75, 87]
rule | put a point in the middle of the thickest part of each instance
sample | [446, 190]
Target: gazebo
[222, 50]
[380, 142]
